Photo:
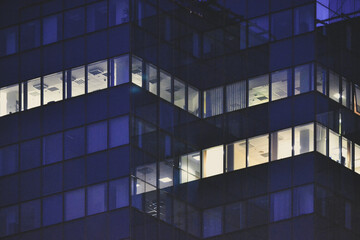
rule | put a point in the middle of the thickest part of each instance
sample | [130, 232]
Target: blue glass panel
[30, 185]
[74, 204]
[280, 206]
[30, 64]
[119, 193]
[30, 154]
[9, 159]
[119, 40]
[52, 210]
[96, 15]
[96, 199]
[74, 173]
[304, 19]
[119, 70]
[9, 41]
[280, 54]
[9, 190]
[52, 148]
[212, 222]
[119, 162]
[74, 114]
[118, 12]
[55, 53]
[96, 137]
[281, 25]
[304, 49]
[119, 131]
[303, 200]
[30, 215]
[52, 179]
[258, 31]
[9, 221]
[74, 22]
[74, 52]
[74, 143]
[96, 48]
[257, 7]
[96, 168]
[52, 29]
[116, 219]
[30, 35]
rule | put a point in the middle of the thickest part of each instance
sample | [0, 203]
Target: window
[321, 139]
[281, 84]
[74, 22]
[304, 78]
[53, 88]
[304, 19]
[96, 16]
[213, 102]
[52, 210]
[119, 131]
[189, 167]
[52, 148]
[32, 92]
[357, 158]
[179, 94]
[30, 154]
[303, 200]
[97, 76]
[304, 139]
[75, 82]
[193, 101]
[136, 72]
[356, 102]
[235, 217]
[334, 146]
[213, 161]
[151, 78]
[334, 86]
[321, 80]
[119, 193]
[212, 220]
[258, 90]
[165, 86]
[236, 96]
[74, 204]
[346, 153]
[9, 159]
[165, 174]
[30, 215]
[9, 41]
[280, 205]
[9, 100]
[346, 94]
[52, 29]
[281, 144]
[281, 25]
[97, 137]
[30, 35]
[236, 156]
[9, 220]
[118, 12]
[74, 141]
[96, 199]
[258, 150]
[119, 69]
[258, 31]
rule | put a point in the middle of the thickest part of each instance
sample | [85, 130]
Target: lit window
[213, 102]
[193, 101]
[236, 156]
[304, 139]
[213, 161]
[357, 158]
[97, 76]
[236, 96]
[9, 100]
[119, 69]
[303, 78]
[189, 167]
[258, 90]
[281, 84]
[334, 146]
[321, 138]
[166, 173]
[346, 153]
[136, 72]
[334, 86]
[346, 93]
[179, 93]
[165, 86]
[32, 90]
[281, 144]
[151, 78]
[258, 150]
[357, 100]
[75, 82]
[53, 88]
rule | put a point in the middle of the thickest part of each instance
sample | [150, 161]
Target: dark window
[96, 199]
[52, 29]
[30, 215]
[119, 193]
[96, 137]
[8, 41]
[74, 22]
[9, 220]
[118, 12]
[96, 15]
[52, 210]
[30, 156]
[9, 159]
[212, 222]
[74, 204]
[52, 179]
[74, 141]
[304, 19]
[30, 35]
[280, 206]
[281, 25]
[303, 200]
[119, 131]
[258, 31]
[52, 148]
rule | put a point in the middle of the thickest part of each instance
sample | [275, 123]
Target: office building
[179, 119]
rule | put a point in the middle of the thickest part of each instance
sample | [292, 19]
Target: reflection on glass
[193, 101]
[303, 78]
[212, 222]
[75, 82]
[304, 19]
[346, 153]
[165, 86]
[258, 90]
[258, 150]
[334, 146]
[258, 31]
[74, 204]
[236, 156]
[151, 78]
[52, 29]
[304, 139]
[118, 12]
[357, 158]
[321, 80]
[190, 167]
[280, 206]
[281, 25]
[96, 198]
[321, 138]
[303, 200]
[334, 86]
[8, 41]
[281, 84]
[136, 71]
[213, 161]
[97, 76]
[179, 93]
[119, 69]
[213, 102]
[346, 97]
[53, 87]
[281, 144]
[9, 100]
[32, 89]
[236, 96]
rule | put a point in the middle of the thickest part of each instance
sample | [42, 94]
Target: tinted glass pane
[52, 29]
[74, 141]
[9, 159]
[97, 137]
[30, 35]
[304, 19]
[236, 96]
[258, 90]
[52, 179]
[52, 148]
[119, 12]
[96, 16]
[30, 215]
[165, 86]
[136, 71]
[74, 22]
[321, 80]
[193, 101]
[8, 41]
[9, 221]
[179, 93]
[151, 78]
[334, 86]
[52, 210]
[280, 205]
[119, 69]
[258, 31]
[119, 131]
[74, 204]
[303, 200]
[30, 156]
[212, 220]
[321, 138]
[96, 199]
[281, 25]
[213, 102]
